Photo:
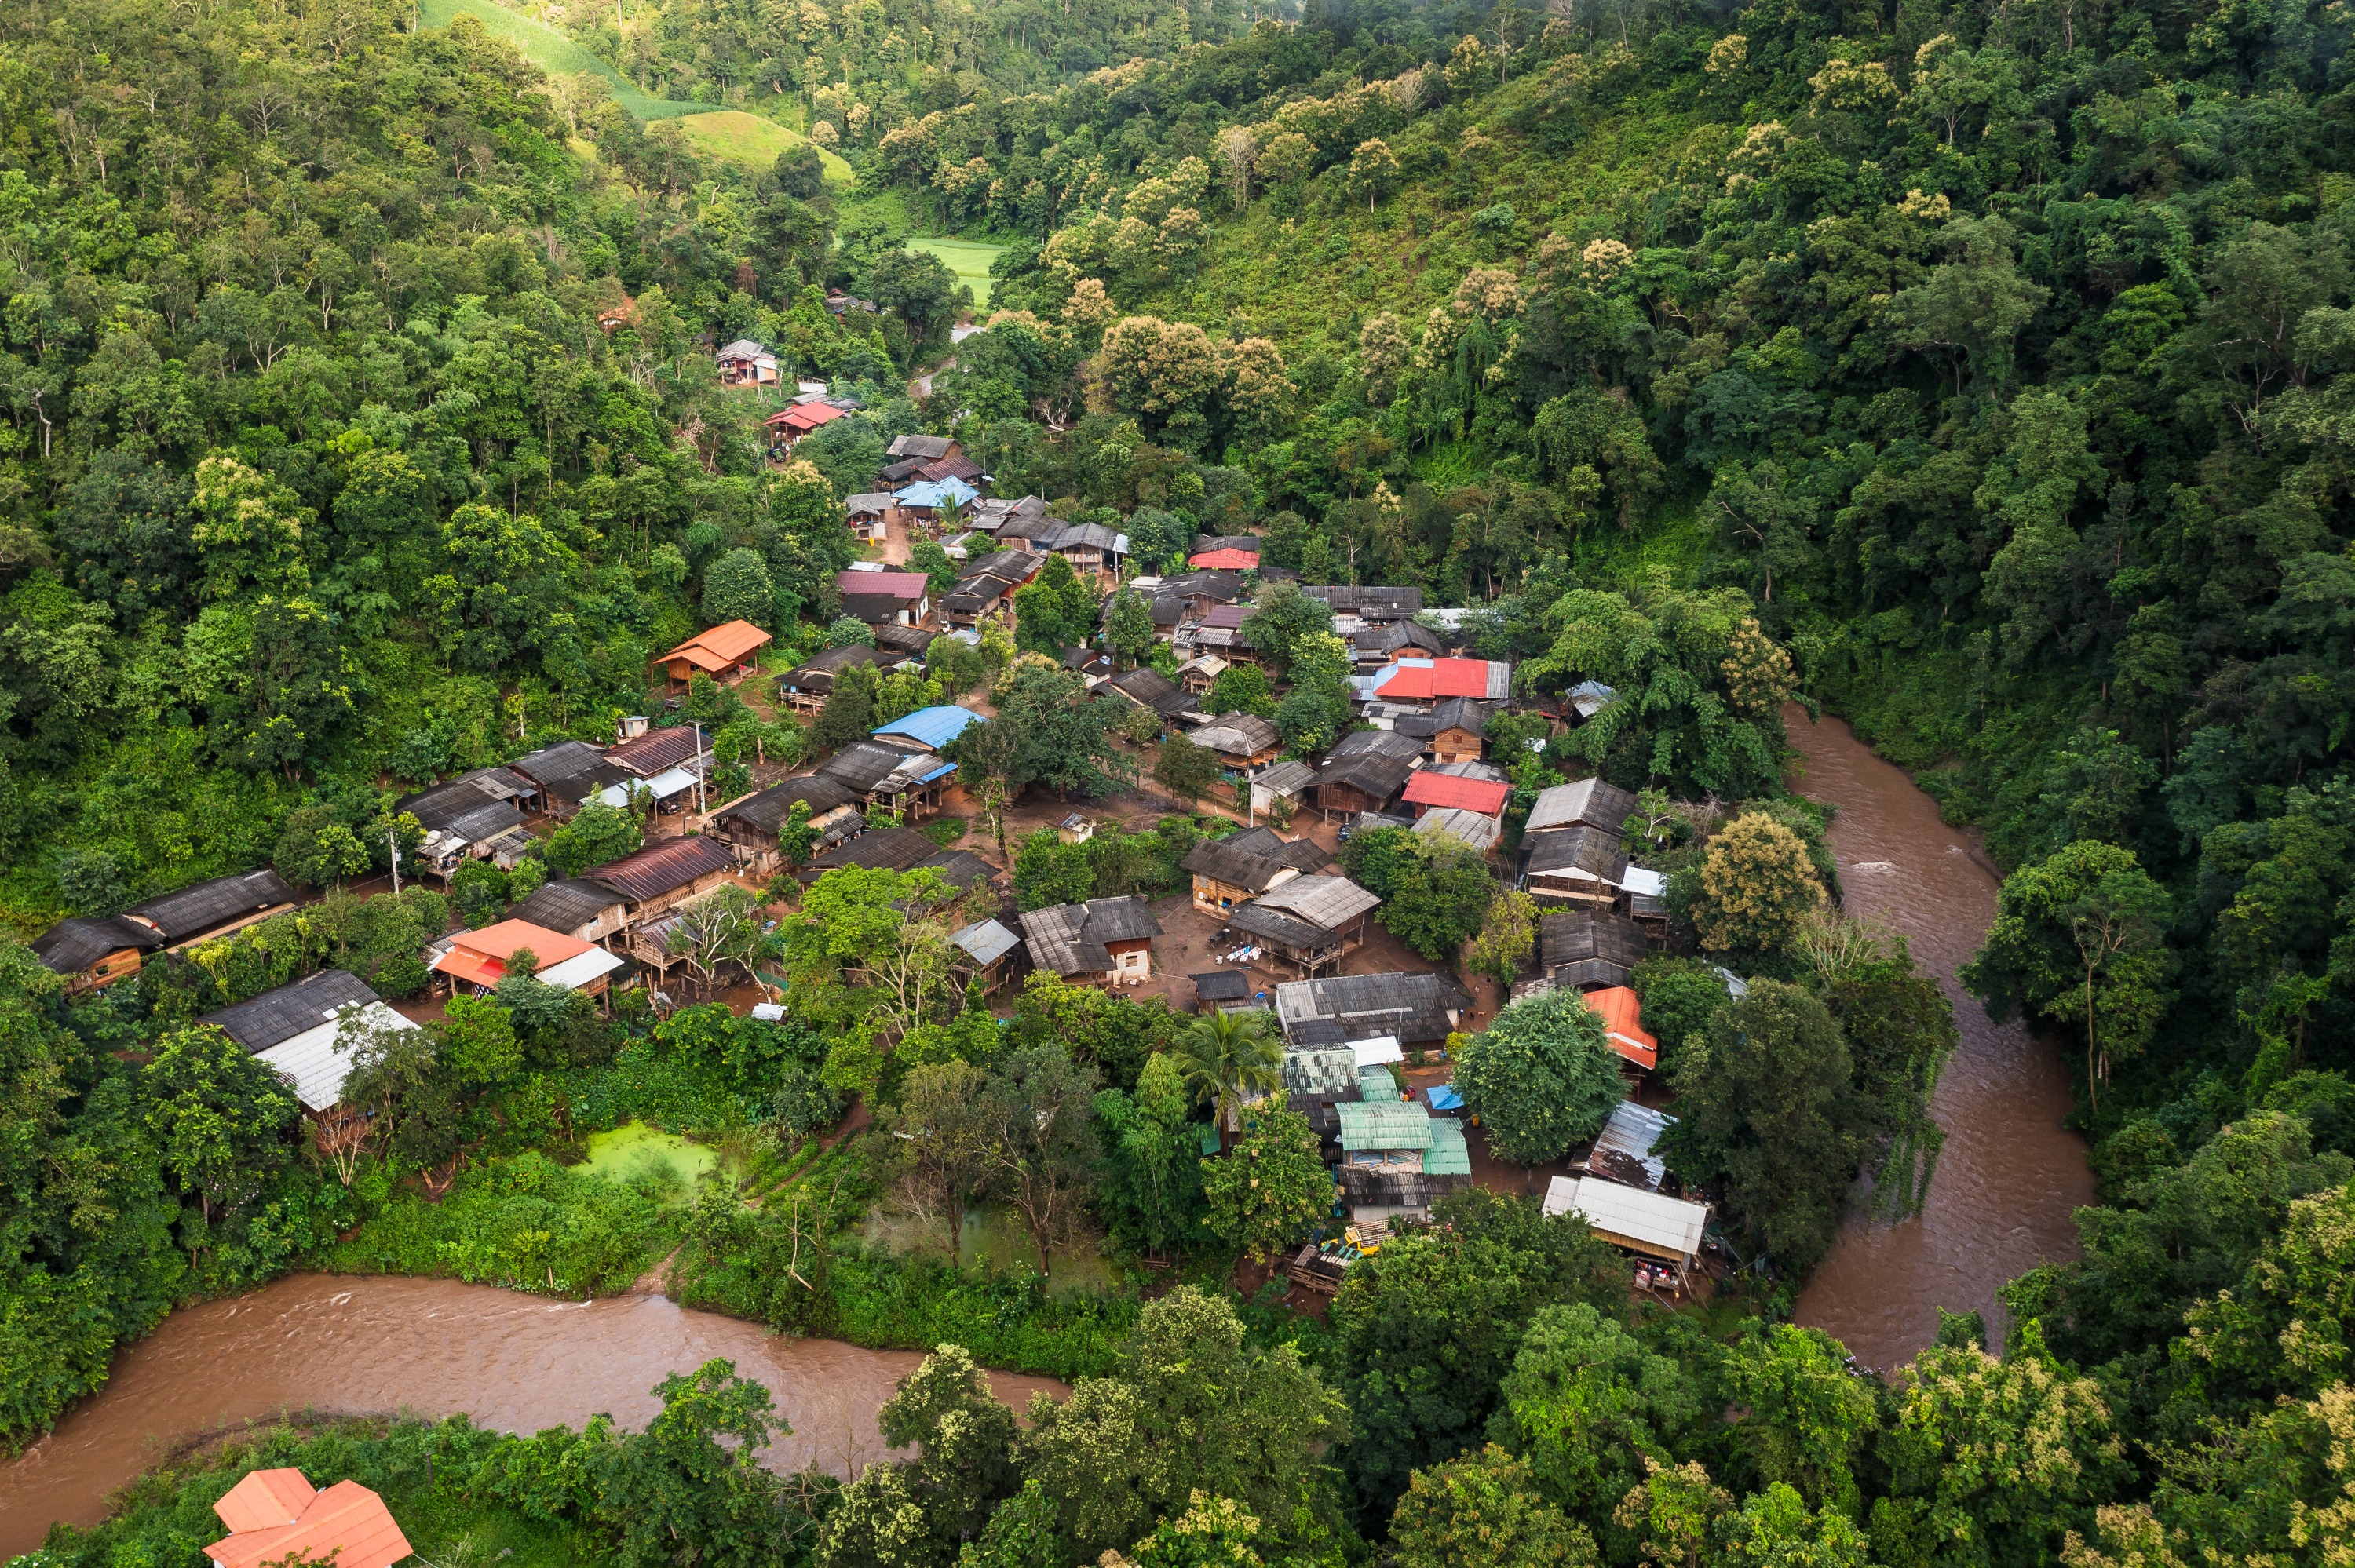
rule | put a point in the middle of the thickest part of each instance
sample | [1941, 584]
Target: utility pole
[702, 803]
[393, 847]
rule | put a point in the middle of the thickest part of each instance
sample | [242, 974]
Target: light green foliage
[1586, 1404]
[1541, 1076]
[1757, 889]
[1266, 1193]
[1192, 1409]
[1482, 1510]
[1808, 1417]
[1229, 1060]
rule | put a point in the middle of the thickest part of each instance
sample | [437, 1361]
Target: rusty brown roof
[663, 867]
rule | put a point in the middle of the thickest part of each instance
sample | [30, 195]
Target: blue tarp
[932, 727]
[938, 492]
[1443, 1097]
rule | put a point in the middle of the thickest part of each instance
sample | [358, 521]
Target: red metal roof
[1424, 682]
[346, 1525]
[663, 867]
[1225, 560]
[265, 1499]
[1623, 1014]
[808, 416]
[895, 585]
[1486, 796]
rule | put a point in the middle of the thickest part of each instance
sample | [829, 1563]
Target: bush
[400, 976]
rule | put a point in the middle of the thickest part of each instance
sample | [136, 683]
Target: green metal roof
[1448, 1155]
[1376, 1125]
[1375, 1087]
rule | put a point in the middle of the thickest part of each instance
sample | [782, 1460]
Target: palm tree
[1229, 1059]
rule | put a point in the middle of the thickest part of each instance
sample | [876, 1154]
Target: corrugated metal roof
[927, 448]
[1339, 1007]
[862, 764]
[1472, 828]
[1284, 778]
[1331, 902]
[70, 947]
[1589, 800]
[200, 908]
[883, 849]
[318, 1061]
[276, 1016]
[657, 750]
[1485, 796]
[1623, 1026]
[1121, 920]
[1448, 1155]
[565, 905]
[1254, 858]
[932, 728]
[1057, 944]
[1669, 1228]
[1633, 1130]
[985, 941]
[1584, 853]
[768, 810]
[664, 867]
[346, 1525]
[1238, 735]
[1590, 933]
[1380, 1126]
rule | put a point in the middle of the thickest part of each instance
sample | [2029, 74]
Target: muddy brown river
[436, 1347]
[2006, 1183]
[2010, 1174]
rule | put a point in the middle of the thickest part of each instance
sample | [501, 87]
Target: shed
[1221, 990]
[1279, 781]
[1623, 1151]
[1629, 1217]
[92, 953]
[724, 653]
[1240, 867]
[1372, 603]
[1309, 923]
[659, 750]
[993, 950]
[925, 449]
[1588, 803]
[1105, 941]
[1365, 772]
[1589, 947]
[881, 849]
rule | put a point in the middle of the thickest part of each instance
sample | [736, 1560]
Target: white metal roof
[769, 1012]
[1637, 879]
[1647, 1220]
[1632, 1131]
[315, 1061]
[669, 782]
[1377, 1051]
[580, 969]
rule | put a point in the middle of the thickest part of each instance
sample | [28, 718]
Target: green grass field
[554, 53]
[968, 258]
[745, 138]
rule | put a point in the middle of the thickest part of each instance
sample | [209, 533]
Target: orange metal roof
[1225, 560]
[1622, 1025]
[1426, 680]
[731, 642]
[481, 956]
[265, 1499]
[346, 1525]
[808, 416]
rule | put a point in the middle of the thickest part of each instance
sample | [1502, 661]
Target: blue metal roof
[937, 492]
[942, 772]
[932, 727]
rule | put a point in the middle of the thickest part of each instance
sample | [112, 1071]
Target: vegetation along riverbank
[1100, 689]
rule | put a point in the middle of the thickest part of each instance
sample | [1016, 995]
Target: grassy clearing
[554, 53]
[745, 138]
[968, 258]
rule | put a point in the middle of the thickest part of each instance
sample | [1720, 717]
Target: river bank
[438, 1347]
[2011, 1174]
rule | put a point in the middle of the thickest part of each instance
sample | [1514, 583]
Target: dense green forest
[1971, 372]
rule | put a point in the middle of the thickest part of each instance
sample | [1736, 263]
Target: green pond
[634, 1149]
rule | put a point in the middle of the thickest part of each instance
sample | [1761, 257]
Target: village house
[910, 785]
[1588, 803]
[806, 689]
[659, 751]
[870, 513]
[905, 641]
[1198, 675]
[926, 729]
[879, 598]
[1166, 610]
[1150, 688]
[1105, 941]
[298, 1030]
[1397, 1157]
[752, 826]
[1626, 1149]
[1198, 593]
[1622, 1025]
[475, 962]
[991, 514]
[1307, 924]
[934, 499]
[1371, 604]
[1242, 741]
[276, 1515]
[1582, 864]
[569, 774]
[1219, 631]
[923, 448]
[1418, 1011]
[746, 364]
[95, 953]
[993, 955]
[878, 849]
[1092, 665]
[1429, 789]
[1471, 829]
[1374, 646]
[1365, 771]
[664, 874]
[725, 652]
[1458, 730]
[1233, 871]
[786, 429]
[985, 586]
[1423, 683]
[462, 823]
[1589, 948]
[573, 907]
[1279, 781]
